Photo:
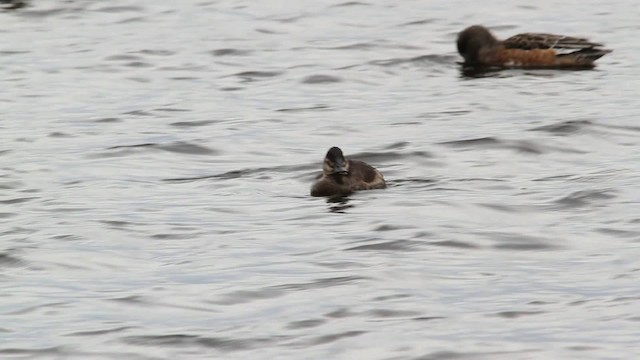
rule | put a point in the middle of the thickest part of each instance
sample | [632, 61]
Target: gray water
[156, 159]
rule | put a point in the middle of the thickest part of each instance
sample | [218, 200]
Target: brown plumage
[479, 47]
[341, 177]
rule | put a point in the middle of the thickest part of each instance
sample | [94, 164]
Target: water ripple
[184, 340]
[582, 198]
[396, 245]
[176, 147]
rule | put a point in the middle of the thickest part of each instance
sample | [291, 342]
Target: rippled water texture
[156, 159]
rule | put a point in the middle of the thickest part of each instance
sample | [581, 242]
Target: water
[156, 161]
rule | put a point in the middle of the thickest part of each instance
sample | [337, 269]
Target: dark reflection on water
[157, 161]
[471, 72]
[339, 204]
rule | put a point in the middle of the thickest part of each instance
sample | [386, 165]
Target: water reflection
[476, 72]
[339, 204]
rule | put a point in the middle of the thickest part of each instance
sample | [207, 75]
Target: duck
[341, 176]
[480, 48]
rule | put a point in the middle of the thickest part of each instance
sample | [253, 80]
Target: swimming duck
[341, 176]
[479, 47]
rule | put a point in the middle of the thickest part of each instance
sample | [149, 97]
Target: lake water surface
[156, 159]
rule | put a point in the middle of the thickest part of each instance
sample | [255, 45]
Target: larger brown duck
[341, 177]
[479, 47]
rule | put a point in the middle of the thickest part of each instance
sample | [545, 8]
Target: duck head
[335, 163]
[472, 39]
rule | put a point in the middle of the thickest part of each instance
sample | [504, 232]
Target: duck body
[479, 47]
[341, 176]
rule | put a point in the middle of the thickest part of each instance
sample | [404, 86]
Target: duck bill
[340, 170]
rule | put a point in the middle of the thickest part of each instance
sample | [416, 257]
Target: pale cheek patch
[327, 168]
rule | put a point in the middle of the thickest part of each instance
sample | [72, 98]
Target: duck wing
[531, 41]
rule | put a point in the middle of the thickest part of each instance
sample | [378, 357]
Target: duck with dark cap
[341, 176]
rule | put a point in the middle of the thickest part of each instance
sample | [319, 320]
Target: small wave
[18, 200]
[395, 245]
[171, 110]
[253, 75]
[43, 13]
[583, 198]
[523, 146]
[36, 308]
[12, 52]
[234, 174]
[187, 148]
[101, 332]
[372, 45]
[310, 108]
[388, 155]
[565, 127]
[305, 324]
[156, 52]
[230, 52]
[321, 79]
[108, 120]
[388, 313]
[351, 3]
[120, 9]
[419, 22]
[454, 244]
[188, 124]
[513, 241]
[9, 260]
[244, 296]
[123, 57]
[185, 340]
[434, 58]
[175, 147]
[59, 135]
[494, 355]
[517, 314]
[56, 351]
[629, 234]
[325, 339]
